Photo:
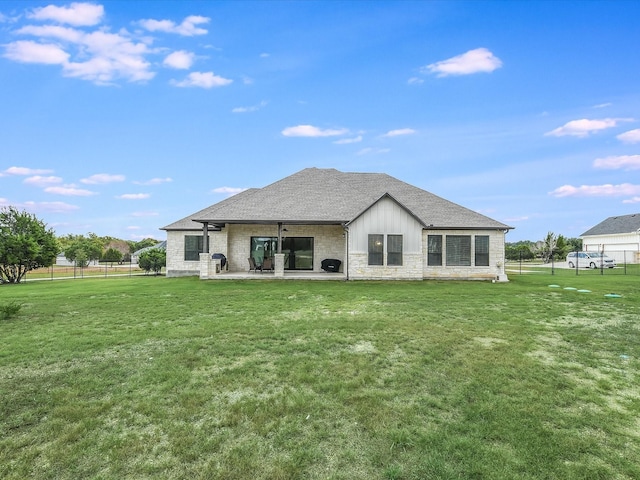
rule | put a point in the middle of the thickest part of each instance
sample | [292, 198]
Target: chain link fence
[609, 262]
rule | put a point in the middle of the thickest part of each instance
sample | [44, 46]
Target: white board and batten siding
[389, 218]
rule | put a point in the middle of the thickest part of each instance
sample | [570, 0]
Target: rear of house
[371, 225]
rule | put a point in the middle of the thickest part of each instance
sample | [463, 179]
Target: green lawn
[149, 377]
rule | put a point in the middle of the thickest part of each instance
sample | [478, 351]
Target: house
[374, 225]
[618, 237]
[158, 246]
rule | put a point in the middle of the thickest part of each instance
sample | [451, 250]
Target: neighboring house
[136, 255]
[618, 237]
[377, 226]
[62, 261]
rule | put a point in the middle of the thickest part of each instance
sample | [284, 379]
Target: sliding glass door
[298, 251]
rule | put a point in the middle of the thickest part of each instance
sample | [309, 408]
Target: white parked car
[590, 260]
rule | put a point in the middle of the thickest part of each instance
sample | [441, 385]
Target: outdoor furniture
[253, 266]
[267, 265]
[330, 265]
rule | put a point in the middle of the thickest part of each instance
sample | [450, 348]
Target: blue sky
[119, 118]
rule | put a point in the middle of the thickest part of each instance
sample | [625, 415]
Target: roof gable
[614, 225]
[390, 197]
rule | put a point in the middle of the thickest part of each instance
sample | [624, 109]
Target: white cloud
[98, 55]
[70, 190]
[134, 196]
[632, 136]
[26, 171]
[346, 141]
[517, 219]
[626, 162]
[27, 51]
[249, 109]
[607, 190]
[584, 127]
[78, 14]
[51, 207]
[473, 61]
[632, 200]
[187, 28]
[415, 81]
[101, 178]
[399, 132]
[155, 181]
[113, 56]
[181, 60]
[603, 105]
[228, 190]
[40, 181]
[104, 56]
[53, 31]
[311, 131]
[373, 151]
[202, 80]
[144, 214]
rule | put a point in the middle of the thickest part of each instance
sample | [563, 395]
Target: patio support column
[205, 237]
[205, 266]
[279, 238]
[278, 270]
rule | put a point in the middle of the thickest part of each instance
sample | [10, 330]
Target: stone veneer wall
[359, 268]
[177, 266]
[494, 271]
[328, 242]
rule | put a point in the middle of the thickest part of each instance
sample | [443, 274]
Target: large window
[459, 250]
[192, 247]
[434, 250]
[394, 250]
[376, 249]
[482, 250]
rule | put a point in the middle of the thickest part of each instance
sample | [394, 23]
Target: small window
[394, 250]
[459, 250]
[192, 247]
[376, 249]
[482, 250]
[434, 250]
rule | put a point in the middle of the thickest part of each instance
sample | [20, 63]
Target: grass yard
[149, 377]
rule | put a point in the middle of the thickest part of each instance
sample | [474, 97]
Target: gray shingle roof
[329, 196]
[613, 225]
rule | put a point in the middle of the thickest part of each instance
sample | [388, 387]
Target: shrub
[9, 310]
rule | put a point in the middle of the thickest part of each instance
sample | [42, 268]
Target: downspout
[346, 239]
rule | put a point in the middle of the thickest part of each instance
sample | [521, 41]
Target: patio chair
[267, 265]
[253, 266]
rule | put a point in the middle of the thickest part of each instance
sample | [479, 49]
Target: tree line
[27, 244]
[552, 247]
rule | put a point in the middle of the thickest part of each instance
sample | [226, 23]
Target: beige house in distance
[347, 225]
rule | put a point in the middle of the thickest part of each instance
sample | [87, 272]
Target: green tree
[521, 250]
[153, 260]
[574, 244]
[82, 250]
[25, 244]
[112, 255]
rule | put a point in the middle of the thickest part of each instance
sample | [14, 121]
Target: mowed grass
[149, 377]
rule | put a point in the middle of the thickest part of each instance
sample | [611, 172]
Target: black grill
[330, 265]
[221, 257]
